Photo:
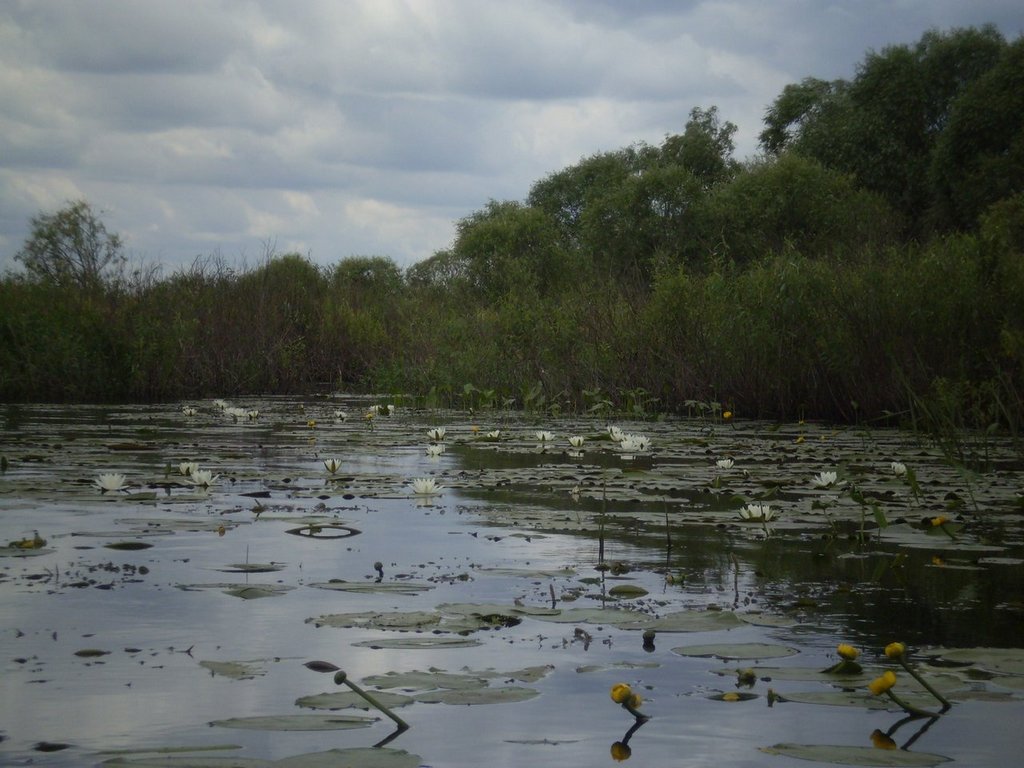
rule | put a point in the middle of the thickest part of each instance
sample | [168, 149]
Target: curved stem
[913, 673]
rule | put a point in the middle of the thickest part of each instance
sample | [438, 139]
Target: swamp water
[171, 624]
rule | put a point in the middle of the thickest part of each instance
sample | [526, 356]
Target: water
[520, 523]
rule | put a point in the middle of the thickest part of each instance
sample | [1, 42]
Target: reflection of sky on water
[159, 695]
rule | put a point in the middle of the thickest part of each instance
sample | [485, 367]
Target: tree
[704, 148]
[72, 248]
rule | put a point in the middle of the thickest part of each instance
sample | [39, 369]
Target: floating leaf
[737, 650]
[419, 642]
[128, 546]
[351, 699]
[691, 621]
[255, 591]
[372, 587]
[627, 591]
[478, 695]
[321, 666]
[416, 680]
[252, 568]
[297, 722]
[235, 670]
[843, 755]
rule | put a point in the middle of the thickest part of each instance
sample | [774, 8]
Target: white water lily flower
[757, 513]
[425, 486]
[253, 414]
[203, 478]
[825, 480]
[391, 409]
[494, 434]
[340, 415]
[724, 463]
[615, 434]
[576, 441]
[110, 481]
[222, 404]
[436, 433]
[374, 409]
[633, 443]
[188, 410]
[332, 465]
[235, 412]
[544, 436]
[434, 450]
[186, 468]
[898, 468]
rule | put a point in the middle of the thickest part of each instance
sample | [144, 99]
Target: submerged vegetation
[867, 266]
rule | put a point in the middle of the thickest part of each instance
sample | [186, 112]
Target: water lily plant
[898, 652]
[544, 436]
[825, 480]
[847, 661]
[576, 441]
[757, 513]
[188, 410]
[110, 481]
[725, 463]
[203, 478]
[332, 465]
[898, 468]
[434, 450]
[425, 486]
[436, 433]
[622, 694]
[186, 468]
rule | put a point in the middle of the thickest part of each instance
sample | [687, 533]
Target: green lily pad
[627, 591]
[256, 591]
[419, 642]
[478, 695]
[373, 587]
[405, 621]
[426, 681]
[737, 650]
[252, 568]
[843, 755]
[1008, 661]
[351, 700]
[297, 722]
[235, 670]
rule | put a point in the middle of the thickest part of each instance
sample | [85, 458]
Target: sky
[339, 128]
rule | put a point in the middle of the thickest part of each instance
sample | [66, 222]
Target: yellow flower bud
[621, 751]
[880, 685]
[895, 650]
[731, 696]
[635, 701]
[621, 692]
[940, 520]
[847, 652]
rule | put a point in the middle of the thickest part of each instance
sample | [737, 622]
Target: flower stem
[913, 673]
[910, 709]
[640, 716]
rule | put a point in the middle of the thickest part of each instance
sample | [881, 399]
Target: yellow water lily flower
[940, 520]
[621, 692]
[880, 685]
[895, 650]
[847, 652]
[36, 542]
[880, 740]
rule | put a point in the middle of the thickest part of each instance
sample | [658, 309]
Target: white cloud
[371, 127]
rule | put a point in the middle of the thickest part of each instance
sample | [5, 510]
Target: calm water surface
[102, 647]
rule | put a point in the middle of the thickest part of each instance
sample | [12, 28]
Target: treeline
[868, 264]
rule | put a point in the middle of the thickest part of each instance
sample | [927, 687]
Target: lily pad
[419, 642]
[737, 650]
[297, 722]
[372, 587]
[843, 755]
[425, 681]
[235, 670]
[1008, 661]
[361, 757]
[252, 568]
[478, 695]
[627, 591]
[351, 700]
[692, 621]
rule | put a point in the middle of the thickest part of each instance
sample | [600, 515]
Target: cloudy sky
[369, 127]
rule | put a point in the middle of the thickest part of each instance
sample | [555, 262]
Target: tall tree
[72, 248]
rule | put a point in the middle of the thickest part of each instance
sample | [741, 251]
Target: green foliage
[71, 248]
